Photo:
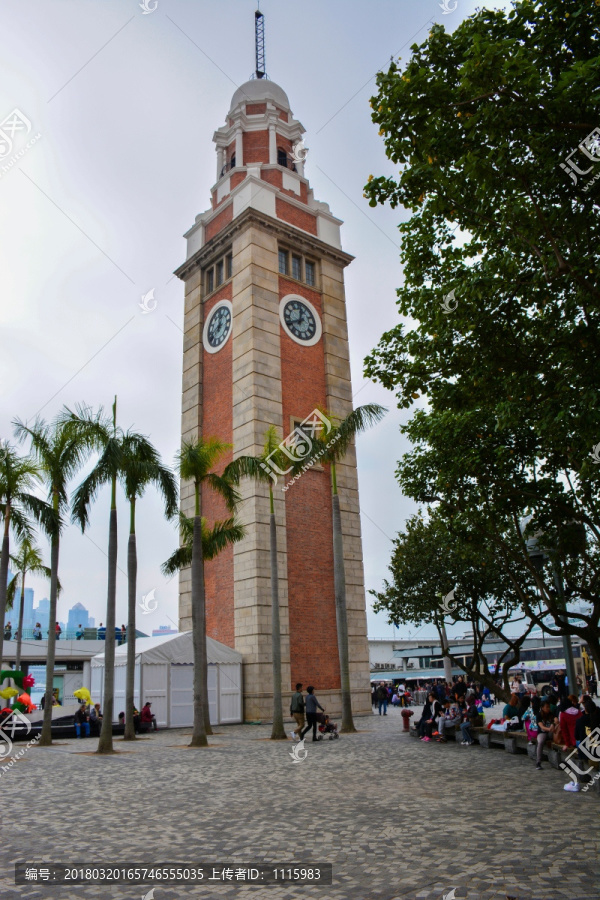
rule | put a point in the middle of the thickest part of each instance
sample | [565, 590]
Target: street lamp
[538, 556]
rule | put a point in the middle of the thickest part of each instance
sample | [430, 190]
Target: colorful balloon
[83, 694]
[8, 692]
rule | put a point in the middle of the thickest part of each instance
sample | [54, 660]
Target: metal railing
[70, 634]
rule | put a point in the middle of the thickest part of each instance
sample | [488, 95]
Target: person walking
[101, 633]
[58, 631]
[80, 632]
[382, 698]
[297, 712]
[37, 631]
[7, 631]
[311, 706]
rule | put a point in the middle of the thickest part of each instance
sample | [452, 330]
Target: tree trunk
[105, 744]
[278, 730]
[198, 638]
[20, 623]
[131, 595]
[46, 737]
[4, 577]
[341, 616]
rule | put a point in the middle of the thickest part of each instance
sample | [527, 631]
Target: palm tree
[257, 467]
[59, 455]
[214, 541]
[195, 462]
[18, 475]
[141, 466]
[99, 432]
[330, 449]
[26, 559]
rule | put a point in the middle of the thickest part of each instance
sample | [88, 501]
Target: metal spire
[259, 33]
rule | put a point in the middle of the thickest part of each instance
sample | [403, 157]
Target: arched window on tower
[282, 157]
[232, 162]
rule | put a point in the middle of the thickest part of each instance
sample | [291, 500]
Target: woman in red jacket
[569, 714]
[148, 720]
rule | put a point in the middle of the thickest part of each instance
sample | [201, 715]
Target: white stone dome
[257, 90]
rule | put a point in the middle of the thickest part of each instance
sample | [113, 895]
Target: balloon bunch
[83, 694]
[17, 681]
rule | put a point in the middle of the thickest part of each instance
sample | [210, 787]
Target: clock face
[218, 327]
[300, 320]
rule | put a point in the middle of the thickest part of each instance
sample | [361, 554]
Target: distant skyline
[118, 160]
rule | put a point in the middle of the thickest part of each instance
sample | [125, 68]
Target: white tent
[164, 674]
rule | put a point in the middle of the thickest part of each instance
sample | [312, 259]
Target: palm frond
[197, 458]
[179, 559]
[225, 488]
[220, 536]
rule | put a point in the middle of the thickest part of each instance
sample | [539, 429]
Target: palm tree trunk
[278, 731]
[339, 577]
[105, 744]
[131, 595]
[20, 623]
[199, 638]
[4, 576]
[46, 737]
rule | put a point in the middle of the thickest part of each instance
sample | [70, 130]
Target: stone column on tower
[266, 343]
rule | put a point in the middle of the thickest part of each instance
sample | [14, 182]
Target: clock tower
[266, 343]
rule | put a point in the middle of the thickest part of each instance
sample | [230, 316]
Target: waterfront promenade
[398, 819]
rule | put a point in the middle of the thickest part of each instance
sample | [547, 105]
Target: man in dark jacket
[297, 712]
[311, 712]
[382, 698]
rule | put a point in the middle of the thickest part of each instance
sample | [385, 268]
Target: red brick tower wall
[217, 421]
[308, 512]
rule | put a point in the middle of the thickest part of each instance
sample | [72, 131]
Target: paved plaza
[396, 818]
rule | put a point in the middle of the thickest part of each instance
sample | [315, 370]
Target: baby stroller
[326, 727]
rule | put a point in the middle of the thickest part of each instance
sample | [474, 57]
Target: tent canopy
[173, 648]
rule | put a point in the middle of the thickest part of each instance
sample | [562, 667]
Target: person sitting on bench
[148, 720]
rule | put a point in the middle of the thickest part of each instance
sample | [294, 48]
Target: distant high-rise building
[41, 613]
[78, 615]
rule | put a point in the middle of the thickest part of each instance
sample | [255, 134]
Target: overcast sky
[92, 216]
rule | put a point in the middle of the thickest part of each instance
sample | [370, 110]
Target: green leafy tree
[330, 447]
[18, 477]
[140, 467]
[26, 560]
[500, 258]
[59, 455]
[440, 571]
[195, 462]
